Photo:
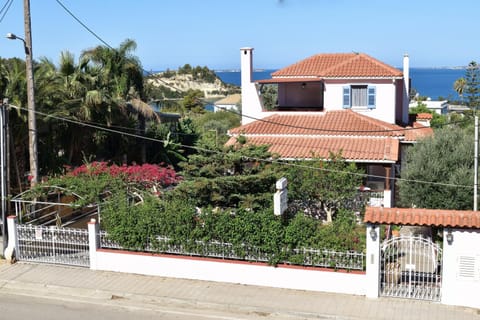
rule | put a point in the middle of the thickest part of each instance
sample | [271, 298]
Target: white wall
[234, 272]
[223, 107]
[385, 100]
[461, 286]
[373, 261]
[251, 104]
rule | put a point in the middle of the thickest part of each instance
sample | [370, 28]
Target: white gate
[411, 268]
[67, 246]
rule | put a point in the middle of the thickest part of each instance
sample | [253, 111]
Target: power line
[103, 41]
[247, 116]
[276, 161]
[257, 119]
[5, 7]
[335, 130]
[83, 24]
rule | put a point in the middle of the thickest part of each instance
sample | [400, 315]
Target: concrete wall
[289, 277]
[461, 268]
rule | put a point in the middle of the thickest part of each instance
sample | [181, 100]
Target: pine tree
[472, 77]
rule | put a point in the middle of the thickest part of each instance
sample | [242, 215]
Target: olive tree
[330, 183]
[439, 171]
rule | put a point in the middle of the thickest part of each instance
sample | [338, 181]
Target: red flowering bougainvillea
[146, 175]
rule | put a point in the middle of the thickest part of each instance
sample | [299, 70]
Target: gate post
[373, 261]
[93, 242]
[12, 247]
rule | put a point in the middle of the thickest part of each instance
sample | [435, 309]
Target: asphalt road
[20, 307]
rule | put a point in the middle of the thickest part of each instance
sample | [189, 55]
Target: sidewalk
[82, 284]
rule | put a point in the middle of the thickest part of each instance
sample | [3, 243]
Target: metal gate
[411, 268]
[55, 245]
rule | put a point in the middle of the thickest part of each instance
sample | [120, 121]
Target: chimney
[246, 65]
[251, 104]
[406, 74]
[424, 119]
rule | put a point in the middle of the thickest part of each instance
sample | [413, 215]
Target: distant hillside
[187, 78]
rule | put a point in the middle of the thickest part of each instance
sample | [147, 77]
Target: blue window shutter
[346, 97]
[372, 97]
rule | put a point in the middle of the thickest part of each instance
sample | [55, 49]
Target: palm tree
[123, 74]
[13, 85]
[459, 86]
[62, 93]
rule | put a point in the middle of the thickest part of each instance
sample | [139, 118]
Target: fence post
[12, 247]
[373, 261]
[93, 242]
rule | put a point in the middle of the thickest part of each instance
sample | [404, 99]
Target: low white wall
[312, 279]
[461, 268]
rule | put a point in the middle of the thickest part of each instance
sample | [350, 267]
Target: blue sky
[170, 33]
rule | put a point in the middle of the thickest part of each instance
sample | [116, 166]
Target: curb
[145, 302]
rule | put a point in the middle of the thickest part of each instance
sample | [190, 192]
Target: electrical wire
[5, 7]
[105, 43]
[286, 125]
[335, 130]
[276, 161]
[244, 115]
[83, 24]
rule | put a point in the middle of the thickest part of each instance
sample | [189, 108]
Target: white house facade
[348, 103]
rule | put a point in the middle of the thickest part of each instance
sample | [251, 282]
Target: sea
[433, 83]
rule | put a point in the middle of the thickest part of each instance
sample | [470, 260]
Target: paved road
[22, 307]
[192, 299]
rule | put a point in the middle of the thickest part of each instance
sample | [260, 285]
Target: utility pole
[32, 124]
[4, 167]
[475, 176]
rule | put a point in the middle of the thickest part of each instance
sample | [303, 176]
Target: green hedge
[137, 226]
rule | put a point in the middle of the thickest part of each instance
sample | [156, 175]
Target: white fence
[53, 245]
[243, 272]
[214, 249]
[458, 288]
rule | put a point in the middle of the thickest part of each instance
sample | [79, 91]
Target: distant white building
[458, 108]
[230, 102]
[440, 107]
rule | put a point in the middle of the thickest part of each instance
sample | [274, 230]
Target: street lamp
[12, 36]
[32, 126]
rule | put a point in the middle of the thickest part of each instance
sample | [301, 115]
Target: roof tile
[416, 132]
[423, 217]
[339, 65]
[383, 149]
[331, 123]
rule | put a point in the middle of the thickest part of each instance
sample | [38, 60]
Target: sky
[171, 33]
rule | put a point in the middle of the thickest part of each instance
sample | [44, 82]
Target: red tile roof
[360, 138]
[330, 123]
[424, 116]
[367, 149]
[423, 217]
[339, 65]
[416, 132]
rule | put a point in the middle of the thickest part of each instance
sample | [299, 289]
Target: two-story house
[348, 102]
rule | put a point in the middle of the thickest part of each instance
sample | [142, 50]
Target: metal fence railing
[332, 259]
[214, 249]
[53, 245]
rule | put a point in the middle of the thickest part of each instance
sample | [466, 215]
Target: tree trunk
[330, 212]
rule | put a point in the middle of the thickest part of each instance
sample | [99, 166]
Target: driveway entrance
[411, 268]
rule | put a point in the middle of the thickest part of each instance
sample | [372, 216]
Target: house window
[359, 96]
